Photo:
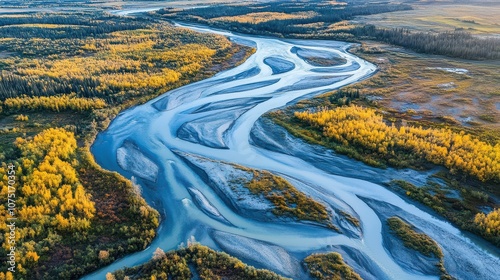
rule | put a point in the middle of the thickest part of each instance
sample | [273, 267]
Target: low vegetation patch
[287, 200]
[321, 61]
[414, 240]
[329, 266]
[194, 260]
[464, 210]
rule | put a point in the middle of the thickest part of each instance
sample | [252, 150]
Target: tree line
[319, 12]
[119, 61]
[322, 10]
[77, 25]
[364, 129]
[52, 103]
[457, 43]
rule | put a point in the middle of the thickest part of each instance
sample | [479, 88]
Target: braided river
[184, 148]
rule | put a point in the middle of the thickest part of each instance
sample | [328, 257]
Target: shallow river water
[217, 120]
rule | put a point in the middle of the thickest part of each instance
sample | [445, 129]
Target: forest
[331, 20]
[192, 260]
[50, 195]
[94, 64]
[320, 11]
[458, 43]
[56, 210]
[63, 76]
[46, 3]
[329, 266]
[364, 128]
[472, 162]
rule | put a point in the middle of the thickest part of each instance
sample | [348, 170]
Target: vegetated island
[471, 161]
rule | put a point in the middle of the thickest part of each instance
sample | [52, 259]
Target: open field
[475, 17]
[433, 87]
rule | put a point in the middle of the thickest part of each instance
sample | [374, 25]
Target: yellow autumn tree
[489, 223]
[49, 194]
[363, 127]
[53, 103]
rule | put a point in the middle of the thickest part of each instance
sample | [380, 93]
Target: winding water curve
[210, 123]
